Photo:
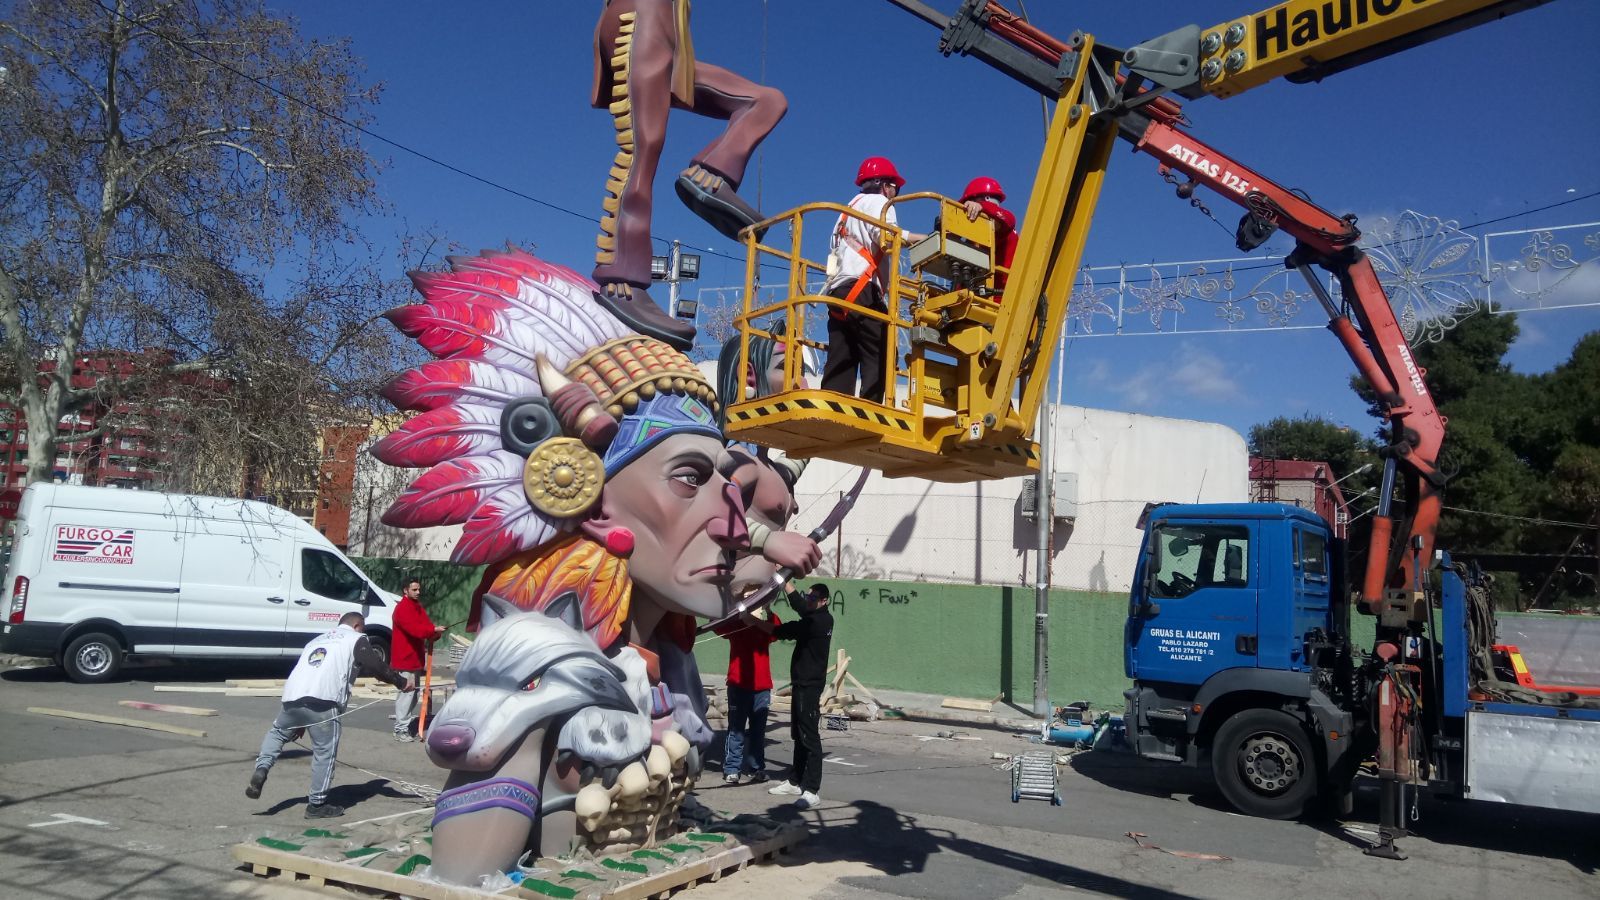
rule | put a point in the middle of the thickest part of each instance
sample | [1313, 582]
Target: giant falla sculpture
[585, 462]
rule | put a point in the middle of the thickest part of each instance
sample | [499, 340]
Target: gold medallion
[562, 477]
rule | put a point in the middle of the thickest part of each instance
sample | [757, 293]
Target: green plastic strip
[410, 865]
[321, 833]
[707, 837]
[652, 854]
[621, 866]
[548, 889]
[362, 851]
[276, 844]
[579, 873]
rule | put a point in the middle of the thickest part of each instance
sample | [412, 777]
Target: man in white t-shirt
[314, 696]
[860, 277]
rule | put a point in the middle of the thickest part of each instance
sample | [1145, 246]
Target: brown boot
[713, 199]
[634, 307]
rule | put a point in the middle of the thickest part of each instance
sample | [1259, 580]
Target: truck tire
[93, 658]
[1264, 764]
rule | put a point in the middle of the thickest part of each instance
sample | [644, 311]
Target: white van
[98, 574]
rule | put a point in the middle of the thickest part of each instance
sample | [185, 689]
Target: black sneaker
[324, 811]
[258, 779]
[759, 777]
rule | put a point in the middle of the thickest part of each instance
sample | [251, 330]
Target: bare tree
[174, 190]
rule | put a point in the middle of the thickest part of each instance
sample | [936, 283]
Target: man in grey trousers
[314, 697]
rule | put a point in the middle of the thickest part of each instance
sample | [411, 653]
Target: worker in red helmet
[857, 274]
[983, 197]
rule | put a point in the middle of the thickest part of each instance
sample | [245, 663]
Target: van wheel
[93, 658]
[380, 644]
[1264, 764]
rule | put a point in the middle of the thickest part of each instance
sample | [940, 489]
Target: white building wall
[914, 530]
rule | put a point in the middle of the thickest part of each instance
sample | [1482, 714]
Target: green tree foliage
[1521, 450]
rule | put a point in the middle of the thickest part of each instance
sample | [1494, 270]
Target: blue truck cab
[1238, 644]
[1236, 622]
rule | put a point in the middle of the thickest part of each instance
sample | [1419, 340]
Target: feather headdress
[489, 320]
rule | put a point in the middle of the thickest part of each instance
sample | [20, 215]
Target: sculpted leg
[483, 825]
[637, 40]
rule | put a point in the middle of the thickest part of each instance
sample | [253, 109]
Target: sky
[1485, 124]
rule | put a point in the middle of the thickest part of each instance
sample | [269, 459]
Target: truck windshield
[1190, 557]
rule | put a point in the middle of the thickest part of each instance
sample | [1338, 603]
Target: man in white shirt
[859, 276]
[314, 696]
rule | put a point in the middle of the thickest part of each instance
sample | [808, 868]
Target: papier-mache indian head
[586, 465]
[580, 457]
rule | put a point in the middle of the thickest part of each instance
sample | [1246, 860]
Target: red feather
[463, 284]
[450, 328]
[440, 382]
[433, 437]
[449, 493]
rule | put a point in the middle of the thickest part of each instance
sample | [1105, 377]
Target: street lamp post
[674, 268]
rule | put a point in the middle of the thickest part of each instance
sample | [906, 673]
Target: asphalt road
[903, 816]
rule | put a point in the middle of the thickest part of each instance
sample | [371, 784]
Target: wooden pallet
[271, 862]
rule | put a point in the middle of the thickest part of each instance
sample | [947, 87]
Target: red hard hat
[877, 167]
[982, 186]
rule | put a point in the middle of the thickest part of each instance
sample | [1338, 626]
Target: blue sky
[1480, 125]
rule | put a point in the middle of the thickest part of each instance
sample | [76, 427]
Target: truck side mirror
[1148, 609]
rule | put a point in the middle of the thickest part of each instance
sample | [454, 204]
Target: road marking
[835, 759]
[64, 819]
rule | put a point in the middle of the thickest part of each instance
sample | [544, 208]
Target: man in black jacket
[812, 633]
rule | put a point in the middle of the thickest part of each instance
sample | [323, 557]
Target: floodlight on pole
[674, 268]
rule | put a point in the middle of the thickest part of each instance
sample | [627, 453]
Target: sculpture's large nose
[450, 741]
[728, 527]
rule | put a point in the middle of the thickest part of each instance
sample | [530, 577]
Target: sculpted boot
[713, 199]
[634, 307]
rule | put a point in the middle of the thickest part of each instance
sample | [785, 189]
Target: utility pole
[1044, 513]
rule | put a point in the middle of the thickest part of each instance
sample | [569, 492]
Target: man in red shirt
[412, 628]
[744, 750]
[983, 196]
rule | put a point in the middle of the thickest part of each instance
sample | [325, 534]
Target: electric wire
[361, 129]
[488, 182]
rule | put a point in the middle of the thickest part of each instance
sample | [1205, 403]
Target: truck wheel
[93, 658]
[1264, 764]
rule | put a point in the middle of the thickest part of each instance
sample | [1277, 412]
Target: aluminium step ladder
[1033, 775]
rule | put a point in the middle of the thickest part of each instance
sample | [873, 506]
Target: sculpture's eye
[532, 683]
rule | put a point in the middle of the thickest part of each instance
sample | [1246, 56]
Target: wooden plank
[863, 688]
[733, 859]
[114, 720]
[974, 705]
[167, 707]
[190, 689]
[345, 873]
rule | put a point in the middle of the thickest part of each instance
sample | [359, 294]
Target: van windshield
[327, 575]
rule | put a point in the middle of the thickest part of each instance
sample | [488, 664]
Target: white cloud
[1199, 376]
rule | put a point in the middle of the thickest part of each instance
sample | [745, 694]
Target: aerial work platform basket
[939, 313]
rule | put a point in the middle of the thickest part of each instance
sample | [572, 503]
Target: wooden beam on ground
[191, 689]
[167, 707]
[974, 705]
[863, 689]
[114, 720]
